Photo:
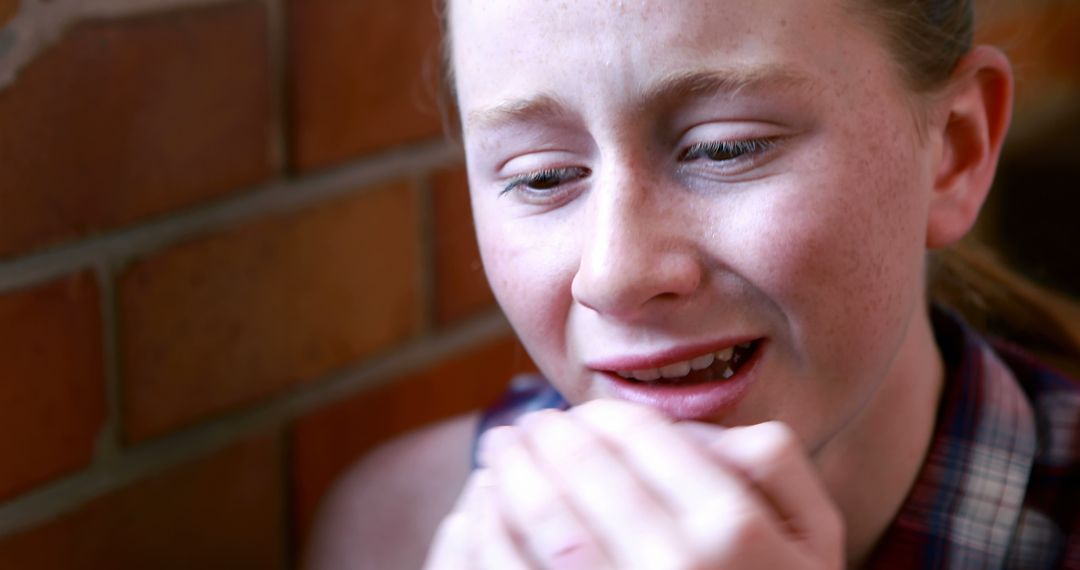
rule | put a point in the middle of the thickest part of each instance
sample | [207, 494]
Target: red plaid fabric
[1000, 487]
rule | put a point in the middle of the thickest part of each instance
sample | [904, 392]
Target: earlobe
[979, 108]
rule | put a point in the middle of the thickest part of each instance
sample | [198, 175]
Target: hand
[616, 485]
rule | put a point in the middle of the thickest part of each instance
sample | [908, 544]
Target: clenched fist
[611, 484]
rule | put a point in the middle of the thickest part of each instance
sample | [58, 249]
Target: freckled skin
[823, 256]
[838, 235]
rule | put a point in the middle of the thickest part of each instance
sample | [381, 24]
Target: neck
[872, 464]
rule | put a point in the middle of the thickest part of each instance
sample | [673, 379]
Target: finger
[451, 549]
[676, 466]
[553, 534]
[772, 457]
[632, 523]
[470, 494]
[497, 548]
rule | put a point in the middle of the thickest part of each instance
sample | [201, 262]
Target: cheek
[507, 266]
[843, 253]
[530, 276]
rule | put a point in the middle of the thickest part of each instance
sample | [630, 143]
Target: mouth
[704, 384]
[721, 364]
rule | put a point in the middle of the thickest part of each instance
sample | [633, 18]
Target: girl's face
[656, 182]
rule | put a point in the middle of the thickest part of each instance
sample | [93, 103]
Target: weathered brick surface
[223, 321]
[326, 442]
[52, 390]
[460, 286]
[125, 120]
[357, 81]
[222, 511]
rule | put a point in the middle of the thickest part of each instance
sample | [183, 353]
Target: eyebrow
[542, 107]
[679, 85]
[709, 83]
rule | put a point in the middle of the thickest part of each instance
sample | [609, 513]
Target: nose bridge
[627, 224]
[637, 245]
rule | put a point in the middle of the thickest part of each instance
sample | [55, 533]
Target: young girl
[709, 223]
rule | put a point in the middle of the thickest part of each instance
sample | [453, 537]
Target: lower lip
[704, 401]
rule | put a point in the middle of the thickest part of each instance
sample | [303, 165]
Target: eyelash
[732, 151]
[555, 177]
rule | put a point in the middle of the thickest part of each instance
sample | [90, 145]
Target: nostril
[633, 255]
[627, 294]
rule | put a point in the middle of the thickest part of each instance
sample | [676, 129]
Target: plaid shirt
[1000, 486]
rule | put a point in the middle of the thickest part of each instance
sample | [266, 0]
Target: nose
[638, 252]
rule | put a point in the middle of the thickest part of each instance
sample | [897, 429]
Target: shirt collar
[966, 501]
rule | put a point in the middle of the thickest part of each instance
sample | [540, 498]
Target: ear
[977, 110]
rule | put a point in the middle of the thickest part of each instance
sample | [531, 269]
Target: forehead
[504, 50]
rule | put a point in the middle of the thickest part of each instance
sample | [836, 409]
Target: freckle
[783, 23]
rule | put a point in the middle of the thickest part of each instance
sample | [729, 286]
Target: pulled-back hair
[928, 38]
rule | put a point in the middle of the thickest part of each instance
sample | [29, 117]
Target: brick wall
[235, 255]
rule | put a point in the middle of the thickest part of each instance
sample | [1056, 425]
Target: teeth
[702, 362]
[680, 369]
[676, 370]
[646, 375]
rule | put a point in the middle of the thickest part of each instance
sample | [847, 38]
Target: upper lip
[663, 358]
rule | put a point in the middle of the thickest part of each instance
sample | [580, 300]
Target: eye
[726, 151]
[544, 182]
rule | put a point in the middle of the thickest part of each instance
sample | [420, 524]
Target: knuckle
[537, 418]
[537, 511]
[555, 439]
[495, 443]
[779, 433]
[618, 412]
[775, 442]
[577, 455]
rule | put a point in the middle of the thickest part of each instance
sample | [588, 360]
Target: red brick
[326, 442]
[461, 289]
[223, 321]
[357, 77]
[222, 511]
[52, 388]
[8, 9]
[126, 120]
